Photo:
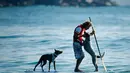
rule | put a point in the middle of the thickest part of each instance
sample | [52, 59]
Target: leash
[98, 47]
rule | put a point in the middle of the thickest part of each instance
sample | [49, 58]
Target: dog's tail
[37, 64]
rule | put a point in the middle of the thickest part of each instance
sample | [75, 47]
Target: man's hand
[93, 32]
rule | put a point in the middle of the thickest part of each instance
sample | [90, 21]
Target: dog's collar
[55, 55]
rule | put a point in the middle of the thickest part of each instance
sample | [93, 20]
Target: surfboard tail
[101, 55]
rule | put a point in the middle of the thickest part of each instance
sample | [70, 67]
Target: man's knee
[82, 57]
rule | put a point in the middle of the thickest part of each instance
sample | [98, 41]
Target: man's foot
[77, 70]
[96, 70]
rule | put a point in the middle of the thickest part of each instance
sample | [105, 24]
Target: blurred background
[82, 3]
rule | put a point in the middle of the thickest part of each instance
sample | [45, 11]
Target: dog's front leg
[54, 65]
[49, 66]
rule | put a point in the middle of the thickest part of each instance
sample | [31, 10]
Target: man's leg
[78, 62]
[79, 55]
[94, 62]
[88, 48]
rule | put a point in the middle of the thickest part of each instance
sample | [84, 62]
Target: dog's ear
[55, 49]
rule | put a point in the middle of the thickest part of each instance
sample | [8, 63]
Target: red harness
[81, 33]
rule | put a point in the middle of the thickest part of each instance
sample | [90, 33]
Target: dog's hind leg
[36, 65]
[44, 62]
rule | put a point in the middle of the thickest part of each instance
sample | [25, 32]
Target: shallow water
[28, 32]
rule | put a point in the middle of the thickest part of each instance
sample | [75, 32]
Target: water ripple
[16, 36]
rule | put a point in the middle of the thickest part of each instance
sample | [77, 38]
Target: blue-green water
[28, 32]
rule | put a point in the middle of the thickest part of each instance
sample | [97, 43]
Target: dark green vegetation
[80, 3]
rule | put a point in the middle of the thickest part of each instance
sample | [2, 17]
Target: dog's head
[58, 52]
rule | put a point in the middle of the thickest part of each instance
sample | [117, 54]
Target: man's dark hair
[86, 24]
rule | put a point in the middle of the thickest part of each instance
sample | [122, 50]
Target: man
[78, 42]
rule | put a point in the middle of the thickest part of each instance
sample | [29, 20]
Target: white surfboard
[29, 71]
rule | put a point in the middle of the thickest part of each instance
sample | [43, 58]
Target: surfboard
[103, 54]
[29, 71]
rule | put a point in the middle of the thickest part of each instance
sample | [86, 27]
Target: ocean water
[28, 32]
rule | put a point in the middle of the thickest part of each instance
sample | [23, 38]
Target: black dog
[50, 58]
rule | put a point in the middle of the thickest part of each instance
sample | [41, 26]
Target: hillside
[82, 3]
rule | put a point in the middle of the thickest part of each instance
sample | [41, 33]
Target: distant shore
[76, 3]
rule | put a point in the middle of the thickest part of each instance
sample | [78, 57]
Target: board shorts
[78, 52]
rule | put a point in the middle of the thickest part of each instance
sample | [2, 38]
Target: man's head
[86, 25]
